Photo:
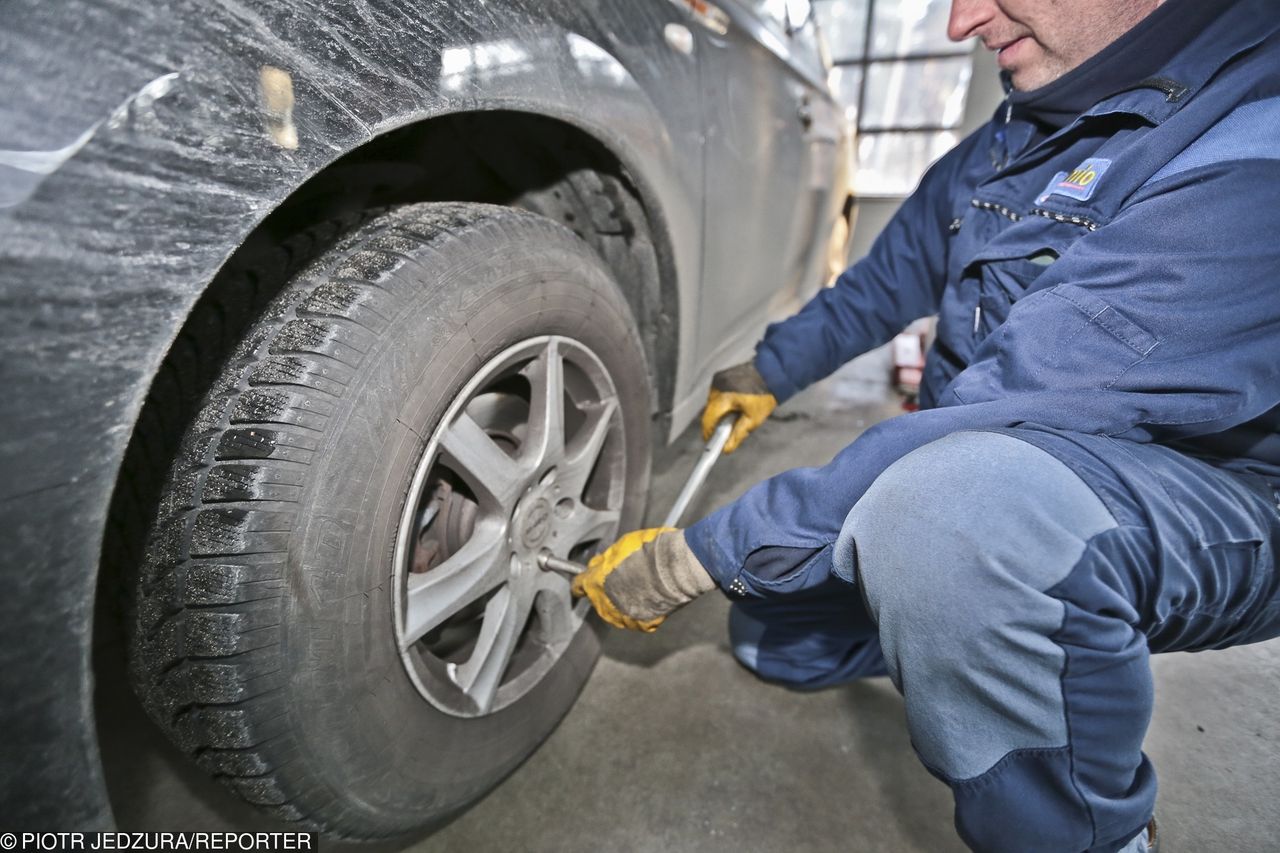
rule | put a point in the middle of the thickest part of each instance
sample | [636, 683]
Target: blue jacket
[1120, 277]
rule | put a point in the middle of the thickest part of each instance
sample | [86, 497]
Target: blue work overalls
[1107, 376]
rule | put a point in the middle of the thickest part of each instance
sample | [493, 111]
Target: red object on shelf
[908, 361]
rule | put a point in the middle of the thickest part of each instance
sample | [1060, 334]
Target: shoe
[1146, 841]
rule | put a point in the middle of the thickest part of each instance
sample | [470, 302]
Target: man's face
[1037, 41]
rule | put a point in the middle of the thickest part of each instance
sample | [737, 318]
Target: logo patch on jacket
[1079, 183]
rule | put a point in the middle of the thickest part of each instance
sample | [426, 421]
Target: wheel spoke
[556, 617]
[583, 452]
[479, 566]
[494, 475]
[480, 676]
[586, 524]
[546, 407]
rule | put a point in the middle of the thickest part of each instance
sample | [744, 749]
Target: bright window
[786, 15]
[902, 84]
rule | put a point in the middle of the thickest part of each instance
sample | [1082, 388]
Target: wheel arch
[543, 163]
[546, 165]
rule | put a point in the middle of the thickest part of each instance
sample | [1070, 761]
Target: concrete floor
[674, 747]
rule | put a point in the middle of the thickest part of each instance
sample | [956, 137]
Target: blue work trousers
[1013, 584]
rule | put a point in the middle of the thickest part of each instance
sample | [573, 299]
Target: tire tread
[212, 587]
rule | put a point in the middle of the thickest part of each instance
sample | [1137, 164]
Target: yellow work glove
[738, 389]
[642, 577]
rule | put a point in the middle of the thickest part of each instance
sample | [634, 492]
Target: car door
[771, 137]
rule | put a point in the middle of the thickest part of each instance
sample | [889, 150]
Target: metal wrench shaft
[549, 561]
[710, 453]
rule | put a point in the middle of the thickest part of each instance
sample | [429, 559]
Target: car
[322, 322]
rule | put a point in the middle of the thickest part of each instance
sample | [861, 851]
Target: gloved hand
[642, 577]
[738, 389]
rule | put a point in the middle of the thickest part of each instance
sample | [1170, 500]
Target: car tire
[269, 637]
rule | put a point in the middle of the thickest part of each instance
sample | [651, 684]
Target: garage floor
[674, 747]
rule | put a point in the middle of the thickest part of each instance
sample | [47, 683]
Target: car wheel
[341, 613]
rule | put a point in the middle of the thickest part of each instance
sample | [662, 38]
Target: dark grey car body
[139, 151]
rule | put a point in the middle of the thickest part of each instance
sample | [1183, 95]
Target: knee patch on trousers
[956, 545]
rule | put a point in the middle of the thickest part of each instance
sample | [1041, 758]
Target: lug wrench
[710, 453]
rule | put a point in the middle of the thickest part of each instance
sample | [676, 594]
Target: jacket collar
[1242, 26]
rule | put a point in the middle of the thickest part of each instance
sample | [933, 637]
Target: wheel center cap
[535, 523]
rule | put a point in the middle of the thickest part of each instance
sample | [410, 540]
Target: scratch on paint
[47, 162]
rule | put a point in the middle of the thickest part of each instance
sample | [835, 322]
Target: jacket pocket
[1001, 283]
[1058, 339]
[1066, 337]
[1103, 315]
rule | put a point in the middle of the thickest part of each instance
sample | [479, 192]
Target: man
[1092, 477]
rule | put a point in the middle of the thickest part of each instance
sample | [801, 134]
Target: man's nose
[967, 16]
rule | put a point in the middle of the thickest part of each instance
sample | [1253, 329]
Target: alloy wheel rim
[529, 458]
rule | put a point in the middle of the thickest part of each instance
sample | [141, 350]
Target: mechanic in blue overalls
[1092, 476]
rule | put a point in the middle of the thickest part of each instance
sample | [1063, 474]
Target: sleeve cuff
[701, 542]
[770, 369]
[734, 578]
